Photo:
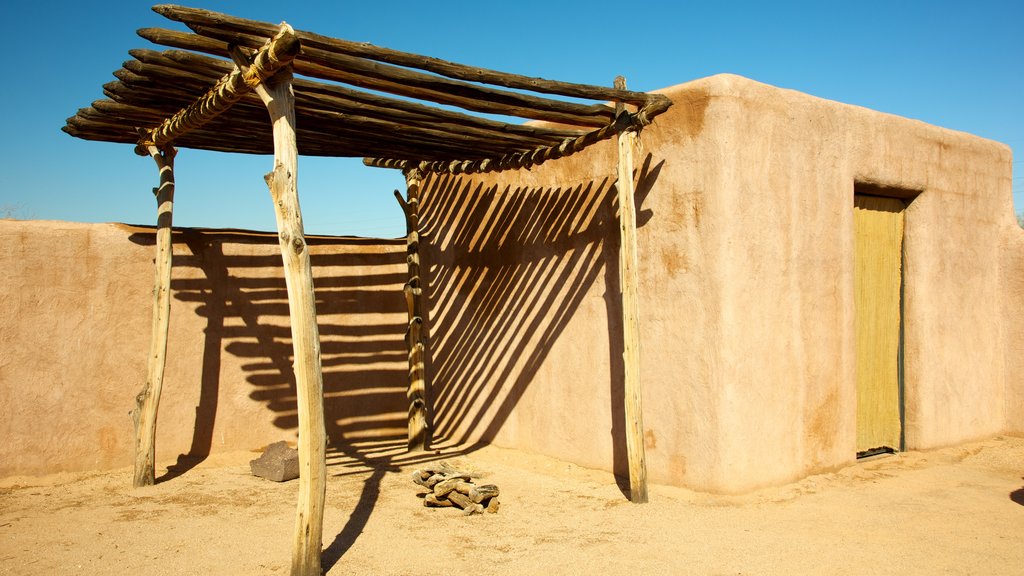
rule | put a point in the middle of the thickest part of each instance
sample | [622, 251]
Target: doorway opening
[878, 319]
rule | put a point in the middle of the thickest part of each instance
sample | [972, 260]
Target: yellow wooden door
[878, 249]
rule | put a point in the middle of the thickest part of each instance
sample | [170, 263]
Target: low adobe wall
[77, 308]
[745, 195]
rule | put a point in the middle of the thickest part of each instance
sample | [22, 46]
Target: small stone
[279, 463]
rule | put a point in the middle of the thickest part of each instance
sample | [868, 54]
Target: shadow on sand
[376, 459]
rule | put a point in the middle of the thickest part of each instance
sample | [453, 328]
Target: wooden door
[878, 250]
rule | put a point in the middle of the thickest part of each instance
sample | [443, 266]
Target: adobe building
[754, 204]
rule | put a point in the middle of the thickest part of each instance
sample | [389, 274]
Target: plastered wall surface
[745, 213]
[745, 195]
[76, 306]
[1012, 280]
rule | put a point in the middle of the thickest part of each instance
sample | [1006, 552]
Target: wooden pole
[628, 280]
[515, 160]
[198, 18]
[623, 122]
[148, 400]
[417, 393]
[279, 98]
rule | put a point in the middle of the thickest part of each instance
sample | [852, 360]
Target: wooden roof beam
[314, 98]
[324, 134]
[142, 105]
[197, 17]
[396, 80]
[411, 84]
[346, 98]
[270, 58]
[525, 159]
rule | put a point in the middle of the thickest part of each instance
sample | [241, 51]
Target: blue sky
[957, 65]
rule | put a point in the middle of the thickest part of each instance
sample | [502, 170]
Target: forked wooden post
[628, 280]
[279, 98]
[418, 391]
[148, 400]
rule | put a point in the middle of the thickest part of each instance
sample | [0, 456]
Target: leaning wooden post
[277, 95]
[417, 393]
[148, 400]
[628, 280]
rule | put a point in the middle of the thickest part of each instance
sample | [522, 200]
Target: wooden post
[148, 400]
[628, 280]
[417, 393]
[277, 95]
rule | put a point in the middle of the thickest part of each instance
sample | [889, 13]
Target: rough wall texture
[76, 306]
[1013, 326]
[745, 194]
[745, 208]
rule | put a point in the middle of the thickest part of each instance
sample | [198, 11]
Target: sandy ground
[952, 511]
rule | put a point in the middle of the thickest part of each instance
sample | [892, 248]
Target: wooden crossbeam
[528, 158]
[410, 83]
[326, 65]
[346, 115]
[199, 18]
[157, 80]
[340, 98]
[229, 28]
[270, 58]
[253, 137]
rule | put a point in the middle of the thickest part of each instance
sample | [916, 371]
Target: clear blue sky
[955, 64]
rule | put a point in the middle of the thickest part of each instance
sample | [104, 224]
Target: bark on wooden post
[418, 391]
[148, 400]
[279, 98]
[628, 280]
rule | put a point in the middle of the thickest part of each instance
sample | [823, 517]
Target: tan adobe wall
[1012, 281]
[745, 197]
[76, 306]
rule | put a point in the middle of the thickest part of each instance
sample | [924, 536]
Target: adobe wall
[1013, 326]
[76, 306]
[745, 196]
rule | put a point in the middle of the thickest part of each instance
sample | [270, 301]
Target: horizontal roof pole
[196, 18]
[326, 65]
[341, 110]
[273, 56]
[525, 159]
[150, 89]
[190, 64]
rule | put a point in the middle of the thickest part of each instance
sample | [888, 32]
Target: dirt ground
[952, 511]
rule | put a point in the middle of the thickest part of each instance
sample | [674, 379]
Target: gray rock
[278, 463]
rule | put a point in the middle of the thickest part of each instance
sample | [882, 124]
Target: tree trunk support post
[420, 428]
[148, 400]
[629, 281]
[279, 98]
